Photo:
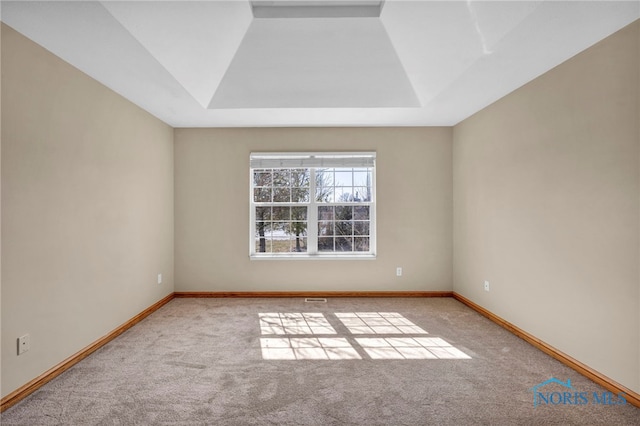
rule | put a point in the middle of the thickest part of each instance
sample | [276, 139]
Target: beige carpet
[350, 361]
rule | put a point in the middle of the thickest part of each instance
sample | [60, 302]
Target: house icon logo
[537, 394]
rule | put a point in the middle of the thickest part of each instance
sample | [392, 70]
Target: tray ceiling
[215, 64]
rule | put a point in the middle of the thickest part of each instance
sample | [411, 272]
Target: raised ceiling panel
[315, 63]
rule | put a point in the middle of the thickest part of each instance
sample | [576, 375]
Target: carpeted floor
[385, 362]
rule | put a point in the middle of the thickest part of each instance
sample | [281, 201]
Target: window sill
[287, 256]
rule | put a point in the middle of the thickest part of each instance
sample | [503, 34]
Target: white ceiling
[212, 64]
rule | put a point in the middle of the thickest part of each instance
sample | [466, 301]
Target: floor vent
[315, 299]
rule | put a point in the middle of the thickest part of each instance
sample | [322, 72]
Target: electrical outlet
[399, 271]
[24, 343]
[486, 286]
[159, 278]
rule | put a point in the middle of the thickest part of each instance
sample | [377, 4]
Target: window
[312, 205]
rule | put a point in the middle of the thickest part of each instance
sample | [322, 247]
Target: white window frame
[312, 161]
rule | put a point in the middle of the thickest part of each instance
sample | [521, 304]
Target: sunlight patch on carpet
[393, 337]
[410, 348]
[295, 323]
[322, 348]
[378, 323]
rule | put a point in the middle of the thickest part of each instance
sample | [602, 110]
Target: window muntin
[281, 229]
[343, 184]
[344, 228]
[339, 220]
[281, 185]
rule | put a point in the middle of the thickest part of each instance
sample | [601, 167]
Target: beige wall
[413, 212]
[546, 207]
[87, 209]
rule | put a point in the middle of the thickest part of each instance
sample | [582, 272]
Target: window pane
[325, 243]
[300, 178]
[299, 245]
[298, 228]
[326, 213]
[361, 244]
[344, 228]
[300, 195]
[361, 177]
[324, 186]
[344, 244]
[344, 195]
[344, 212]
[324, 177]
[359, 195]
[263, 213]
[344, 177]
[281, 177]
[281, 195]
[325, 194]
[361, 212]
[281, 246]
[281, 213]
[262, 178]
[281, 230]
[263, 245]
[325, 228]
[299, 213]
[262, 195]
[263, 228]
[300, 185]
[363, 185]
[361, 228]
